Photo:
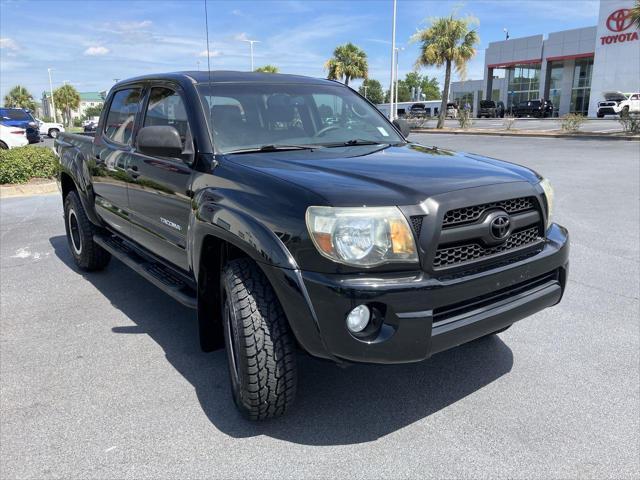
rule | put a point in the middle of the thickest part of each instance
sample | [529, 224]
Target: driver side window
[166, 108]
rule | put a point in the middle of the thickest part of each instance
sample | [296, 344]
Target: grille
[471, 214]
[463, 253]
[416, 223]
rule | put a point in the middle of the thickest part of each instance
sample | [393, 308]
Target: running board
[158, 274]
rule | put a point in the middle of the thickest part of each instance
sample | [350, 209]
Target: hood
[614, 96]
[375, 176]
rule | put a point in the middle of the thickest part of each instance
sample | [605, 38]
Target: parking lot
[541, 125]
[102, 376]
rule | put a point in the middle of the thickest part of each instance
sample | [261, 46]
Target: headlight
[362, 236]
[548, 193]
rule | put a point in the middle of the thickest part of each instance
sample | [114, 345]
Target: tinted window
[122, 115]
[15, 114]
[487, 104]
[166, 108]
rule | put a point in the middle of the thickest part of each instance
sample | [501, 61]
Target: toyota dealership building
[571, 68]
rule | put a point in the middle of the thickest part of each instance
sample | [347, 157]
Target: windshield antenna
[206, 23]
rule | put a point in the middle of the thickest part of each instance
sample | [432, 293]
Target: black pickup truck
[233, 193]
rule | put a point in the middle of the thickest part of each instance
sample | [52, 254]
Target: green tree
[448, 41]
[67, 99]
[268, 69]
[372, 90]
[404, 92]
[93, 111]
[430, 88]
[348, 62]
[19, 97]
[635, 14]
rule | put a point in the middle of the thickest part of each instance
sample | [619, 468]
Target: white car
[12, 137]
[51, 129]
[617, 103]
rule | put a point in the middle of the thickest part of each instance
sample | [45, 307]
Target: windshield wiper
[356, 142]
[274, 148]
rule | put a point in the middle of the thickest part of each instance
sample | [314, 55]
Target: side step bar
[158, 274]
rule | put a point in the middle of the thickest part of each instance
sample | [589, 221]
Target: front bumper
[420, 315]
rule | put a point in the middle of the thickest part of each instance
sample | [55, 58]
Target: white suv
[49, 128]
[617, 103]
[12, 137]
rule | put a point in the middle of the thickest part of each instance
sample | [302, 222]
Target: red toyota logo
[619, 20]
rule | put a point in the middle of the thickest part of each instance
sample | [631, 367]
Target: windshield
[253, 115]
[15, 114]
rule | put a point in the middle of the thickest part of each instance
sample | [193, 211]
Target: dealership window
[463, 98]
[581, 86]
[555, 84]
[495, 95]
[524, 83]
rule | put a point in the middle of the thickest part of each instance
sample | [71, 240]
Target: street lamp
[392, 113]
[53, 105]
[506, 33]
[397, 51]
[251, 42]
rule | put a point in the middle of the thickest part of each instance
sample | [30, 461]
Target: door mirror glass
[403, 126]
[159, 141]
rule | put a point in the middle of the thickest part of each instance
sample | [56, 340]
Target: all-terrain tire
[260, 346]
[87, 254]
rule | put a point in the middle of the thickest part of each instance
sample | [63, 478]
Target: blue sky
[89, 43]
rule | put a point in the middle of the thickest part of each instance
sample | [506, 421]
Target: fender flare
[261, 244]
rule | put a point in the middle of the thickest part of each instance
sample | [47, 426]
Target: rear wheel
[4, 146]
[600, 115]
[260, 346]
[53, 132]
[87, 254]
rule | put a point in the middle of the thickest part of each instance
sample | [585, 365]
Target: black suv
[533, 108]
[491, 109]
[292, 215]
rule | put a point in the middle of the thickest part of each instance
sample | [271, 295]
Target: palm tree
[66, 98]
[448, 41]
[635, 14]
[19, 97]
[348, 62]
[267, 69]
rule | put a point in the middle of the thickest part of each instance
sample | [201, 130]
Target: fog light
[358, 318]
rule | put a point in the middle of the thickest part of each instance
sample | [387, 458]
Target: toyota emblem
[619, 20]
[500, 227]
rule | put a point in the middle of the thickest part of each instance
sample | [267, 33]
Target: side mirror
[402, 125]
[159, 141]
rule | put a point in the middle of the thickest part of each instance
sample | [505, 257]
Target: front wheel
[600, 115]
[53, 133]
[87, 254]
[260, 346]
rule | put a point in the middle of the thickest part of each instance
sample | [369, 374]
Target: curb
[28, 189]
[528, 134]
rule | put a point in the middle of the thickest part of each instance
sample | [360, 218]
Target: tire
[624, 112]
[87, 255]
[600, 115]
[260, 348]
[4, 146]
[53, 133]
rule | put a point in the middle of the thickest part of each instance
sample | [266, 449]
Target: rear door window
[122, 115]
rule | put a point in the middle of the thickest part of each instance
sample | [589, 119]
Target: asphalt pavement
[541, 125]
[102, 377]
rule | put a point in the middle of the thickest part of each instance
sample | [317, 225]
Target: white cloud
[96, 51]
[212, 53]
[127, 26]
[241, 37]
[8, 44]
[236, 12]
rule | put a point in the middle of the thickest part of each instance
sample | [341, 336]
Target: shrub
[464, 119]
[19, 165]
[509, 121]
[572, 122]
[630, 122]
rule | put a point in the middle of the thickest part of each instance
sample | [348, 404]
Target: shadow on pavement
[334, 406]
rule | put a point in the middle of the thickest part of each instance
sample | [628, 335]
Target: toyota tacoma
[292, 215]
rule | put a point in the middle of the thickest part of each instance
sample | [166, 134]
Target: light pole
[392, 113]
[251, 42]
[53, 105]
[397, 51]
[506, 33]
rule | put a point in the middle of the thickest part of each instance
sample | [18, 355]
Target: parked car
[21, 118]
[50, 129]
[418, 110]
[344, 240]
[89, 120]
[12, 137]
[491, 109]
[533, 108]
[452, 110]
[618, 103]
[90, 127]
